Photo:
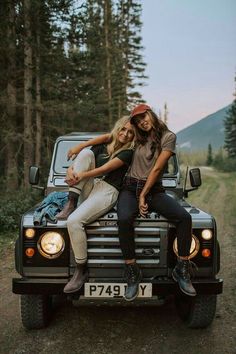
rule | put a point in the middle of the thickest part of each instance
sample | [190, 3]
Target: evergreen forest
[65, 65]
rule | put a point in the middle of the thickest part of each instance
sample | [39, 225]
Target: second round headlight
[195, 245]
[51, 244]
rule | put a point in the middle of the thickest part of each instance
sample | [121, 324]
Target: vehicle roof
[79, 135]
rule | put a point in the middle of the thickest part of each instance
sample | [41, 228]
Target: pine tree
[131, 46]
[166, 112]
[209, 156]
[219, 160]
[10, 125]
[65, 65]
[230, 130]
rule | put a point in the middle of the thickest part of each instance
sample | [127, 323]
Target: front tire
[196, 312]
[218, 257]
[36, 311]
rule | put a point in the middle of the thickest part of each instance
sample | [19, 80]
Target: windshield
[61, 164]
[171, 168]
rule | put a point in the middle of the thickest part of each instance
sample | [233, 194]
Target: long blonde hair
[114, 147]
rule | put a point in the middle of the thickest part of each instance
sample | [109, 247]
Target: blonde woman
[112, 161]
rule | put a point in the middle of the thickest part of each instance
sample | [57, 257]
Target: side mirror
[195, 177]
[33, 175]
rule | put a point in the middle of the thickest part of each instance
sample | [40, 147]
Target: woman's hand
[70, 176]
[75, 178]
[73, 152]
[79, 176]
[143, 206]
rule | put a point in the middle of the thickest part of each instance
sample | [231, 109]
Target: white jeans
[85, 161]
[100, 197]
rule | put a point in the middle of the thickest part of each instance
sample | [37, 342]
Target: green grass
[7, 239]
[217, 195]
[212, 187]
[204, 193]
[230, 182]
[193, 159]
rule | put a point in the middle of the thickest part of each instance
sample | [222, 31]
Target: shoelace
[188, 268]
[131, 273]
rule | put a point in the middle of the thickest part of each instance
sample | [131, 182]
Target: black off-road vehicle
[45, 261]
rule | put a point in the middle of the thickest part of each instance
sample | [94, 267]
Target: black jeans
[160, 203]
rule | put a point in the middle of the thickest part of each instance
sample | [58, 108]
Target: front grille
[105, 258]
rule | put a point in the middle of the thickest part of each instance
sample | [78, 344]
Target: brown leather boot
[69, 207]
[77, 281]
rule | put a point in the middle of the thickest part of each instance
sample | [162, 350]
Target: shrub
[224, 163]
[13, 205]
[229, 165]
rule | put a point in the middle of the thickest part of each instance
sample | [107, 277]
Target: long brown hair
[158, 129]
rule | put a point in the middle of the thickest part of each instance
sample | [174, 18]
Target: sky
[190, 51]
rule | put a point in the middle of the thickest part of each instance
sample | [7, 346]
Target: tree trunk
[126, 50]
[124, 14]
[28, 146]
[107, 20]
[11, 158]
[38, 100]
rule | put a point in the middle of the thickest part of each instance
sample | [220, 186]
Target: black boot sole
[136, 295]
[177, 281]
[132, 298]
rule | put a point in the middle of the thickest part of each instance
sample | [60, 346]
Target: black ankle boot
[69, 207]
[181, 274]
[77, 281]
[133, 275]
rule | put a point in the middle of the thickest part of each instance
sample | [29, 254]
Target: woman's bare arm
[101, 139]
[100, 171]
[152, 178]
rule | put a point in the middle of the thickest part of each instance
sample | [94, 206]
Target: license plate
[114, 290]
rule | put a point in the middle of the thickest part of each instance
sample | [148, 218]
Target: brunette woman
[142, 191]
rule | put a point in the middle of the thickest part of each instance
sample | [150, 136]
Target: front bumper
[159, 287]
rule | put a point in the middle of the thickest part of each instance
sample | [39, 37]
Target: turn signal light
[206, 252]
[29, 252]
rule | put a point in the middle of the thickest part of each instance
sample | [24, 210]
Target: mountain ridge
[208, 130]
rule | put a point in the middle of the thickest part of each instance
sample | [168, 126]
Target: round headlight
[206, 234]
[195, 245]
[51, 244]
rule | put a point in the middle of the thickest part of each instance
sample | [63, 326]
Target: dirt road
[158, 330]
